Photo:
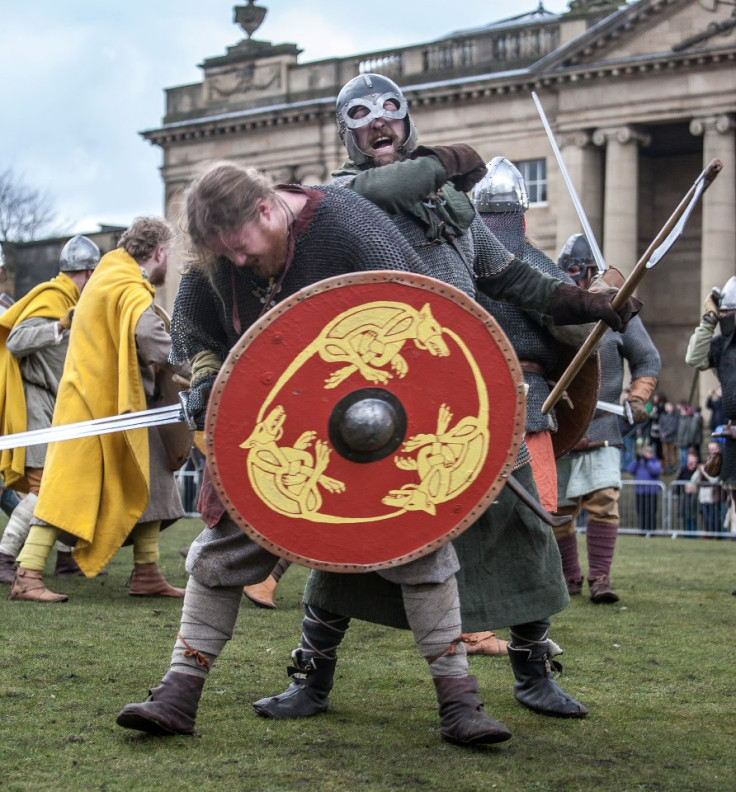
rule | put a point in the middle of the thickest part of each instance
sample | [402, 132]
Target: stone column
[718, 251]
[621, 200]
[583, 163]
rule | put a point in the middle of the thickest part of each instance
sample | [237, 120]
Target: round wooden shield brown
[365, 421]
[575, 410]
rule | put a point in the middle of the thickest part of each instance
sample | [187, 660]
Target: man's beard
[389, 155]
[271, 263]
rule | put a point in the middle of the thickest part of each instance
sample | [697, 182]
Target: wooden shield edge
[374, 276]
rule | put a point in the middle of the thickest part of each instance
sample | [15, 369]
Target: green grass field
[656, 671]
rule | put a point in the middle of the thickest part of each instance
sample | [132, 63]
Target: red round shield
[365, 421]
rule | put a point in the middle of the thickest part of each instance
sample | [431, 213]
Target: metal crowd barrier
[189, 481]
[680, 510]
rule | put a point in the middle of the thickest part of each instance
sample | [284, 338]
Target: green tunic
[510, 573]
[510, 565]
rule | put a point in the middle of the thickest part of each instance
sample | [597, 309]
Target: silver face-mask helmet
[576, 252]
[371, 92]
[79, 253]
[502, 189]
[728, 295]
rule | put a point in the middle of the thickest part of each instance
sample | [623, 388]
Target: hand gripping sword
[660, 245]
[158, 416]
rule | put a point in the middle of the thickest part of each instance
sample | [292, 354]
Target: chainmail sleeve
[637, 348]
[196, 324]
[502, 276]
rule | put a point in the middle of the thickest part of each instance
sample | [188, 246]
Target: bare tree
[25, 213]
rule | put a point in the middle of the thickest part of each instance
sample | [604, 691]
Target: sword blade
[594, 249]
[158, 416]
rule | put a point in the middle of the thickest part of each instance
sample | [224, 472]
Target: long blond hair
[221, 199]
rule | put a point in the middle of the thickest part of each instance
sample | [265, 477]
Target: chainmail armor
[508, 227]
[346, 234]
[481, 249]
[530, 339]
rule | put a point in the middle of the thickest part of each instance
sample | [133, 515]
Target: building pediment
[647, 31]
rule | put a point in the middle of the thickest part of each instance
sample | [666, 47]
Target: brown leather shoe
[574, 587]
[147, 581]
[261, 594]
[28, 585]
[601, 591]
[484, 643]
[169, 709]
[7, 569]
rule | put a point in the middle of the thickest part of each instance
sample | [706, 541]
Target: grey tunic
[41, 353]
[154, 344]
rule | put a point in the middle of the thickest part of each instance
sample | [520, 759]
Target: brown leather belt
[529, 367]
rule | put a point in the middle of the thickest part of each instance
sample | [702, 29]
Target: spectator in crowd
[687, 493]
[711, 497]
[645, 468]
[668, 421]
[687, 430]
[655, 438]
[714, 403]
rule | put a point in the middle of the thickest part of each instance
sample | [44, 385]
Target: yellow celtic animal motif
[447, 462]
[288, 478]
[370, 337]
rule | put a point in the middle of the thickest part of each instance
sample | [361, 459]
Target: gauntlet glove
[638, 410]
[462, 163]
[572, 305]
[199, 395]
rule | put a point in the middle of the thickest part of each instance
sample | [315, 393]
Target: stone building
[31, 263]
[640, 98]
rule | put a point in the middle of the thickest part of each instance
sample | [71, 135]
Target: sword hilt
[185, 415]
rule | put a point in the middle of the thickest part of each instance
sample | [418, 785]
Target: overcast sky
[80, 79]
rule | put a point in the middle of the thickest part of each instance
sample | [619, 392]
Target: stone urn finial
[249, 17]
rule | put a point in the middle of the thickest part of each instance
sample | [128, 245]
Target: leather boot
[169, 709]
[601, 591]
[462, 719]
[307, 694]
[28, 585]
[66, 566]
[7, 569]
[535, 686]
[484, 643]
[147, 581]
[261, 594]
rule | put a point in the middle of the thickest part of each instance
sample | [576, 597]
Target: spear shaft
[659, 246]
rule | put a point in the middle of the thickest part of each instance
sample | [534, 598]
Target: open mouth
[381, 143]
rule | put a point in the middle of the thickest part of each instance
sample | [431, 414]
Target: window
[535, 177]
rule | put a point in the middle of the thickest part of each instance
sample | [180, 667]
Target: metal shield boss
[365, 421]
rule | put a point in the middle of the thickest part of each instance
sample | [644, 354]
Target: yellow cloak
[49, 300]
[96, 488]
